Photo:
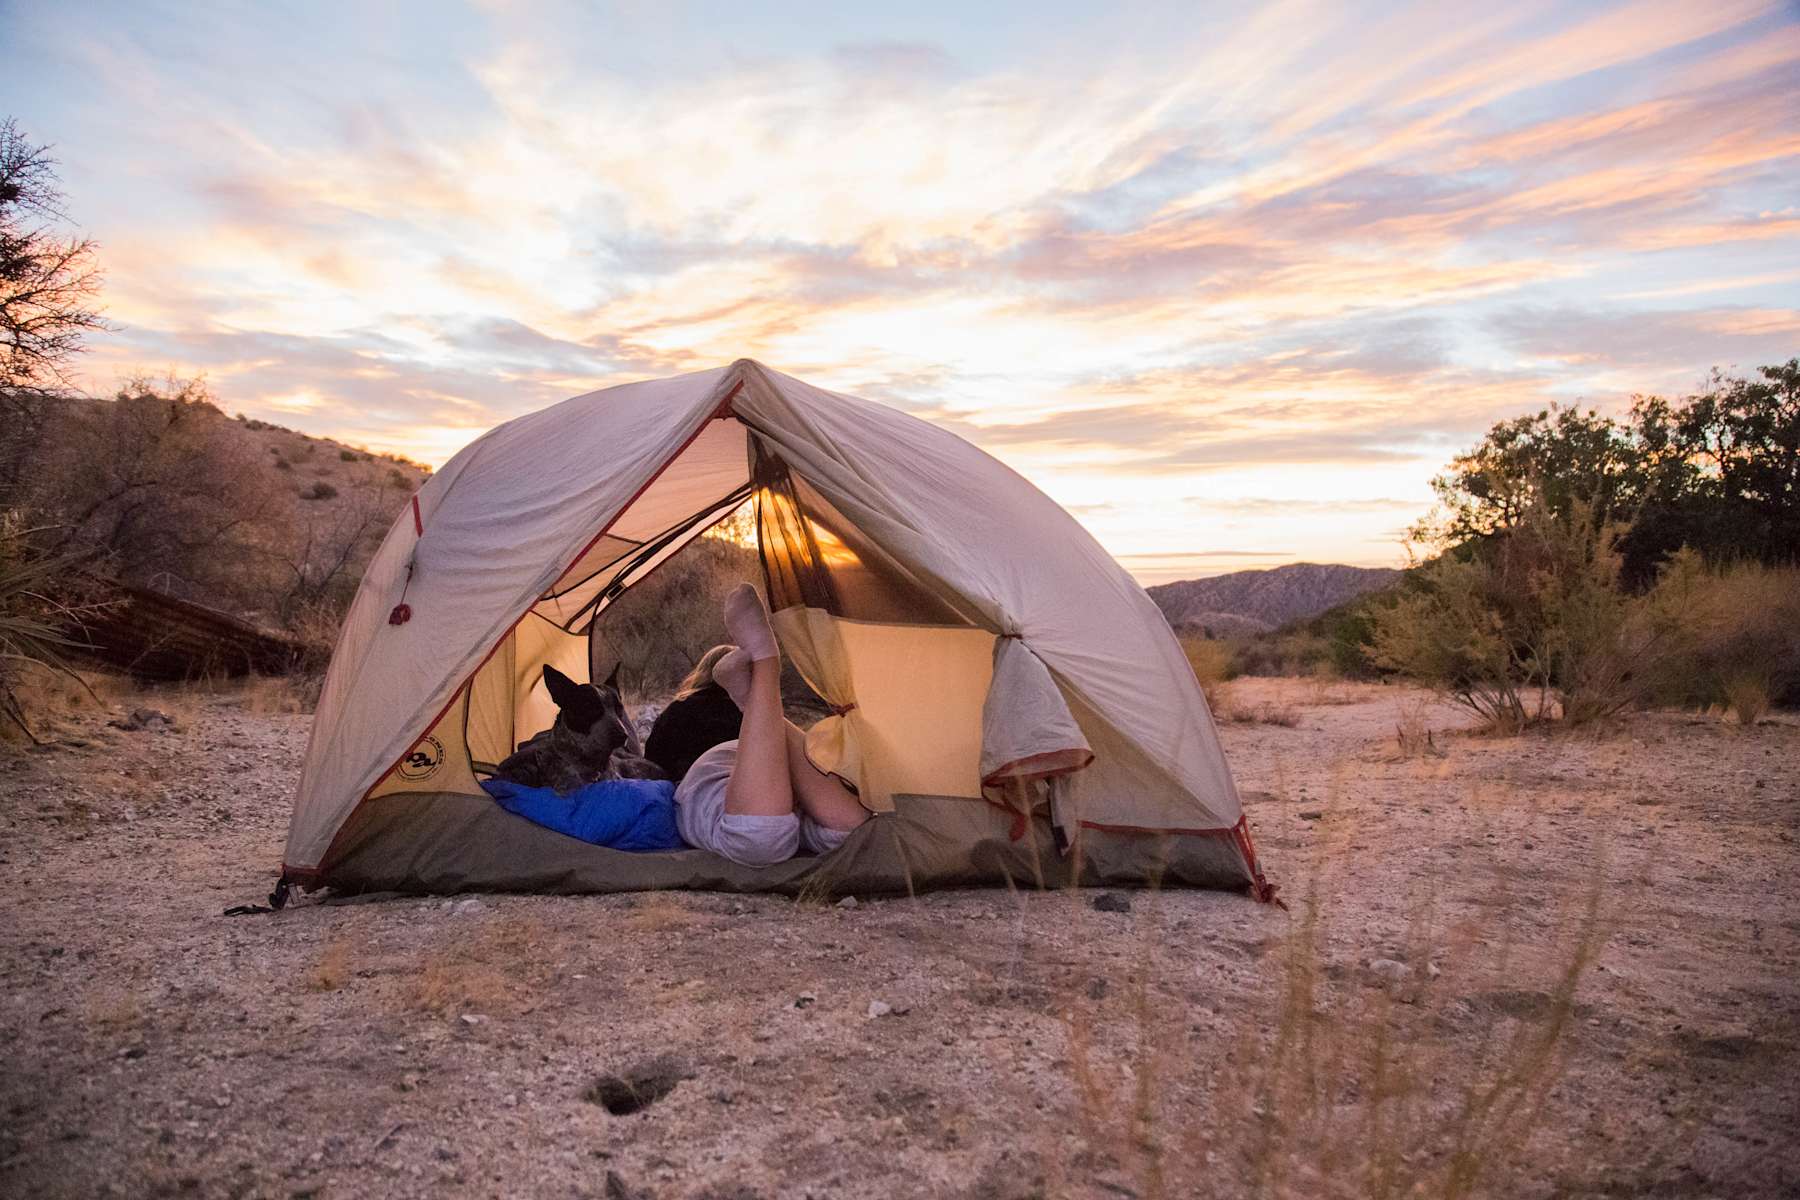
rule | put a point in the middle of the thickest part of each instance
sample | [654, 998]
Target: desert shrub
[320, 490]
[39, 617]
[1212, 662]
[1742, 645]
[1539, 615]
[1445, 630]
[1350, 641]
[1297, 651]
[1601, 642]
[349, 456]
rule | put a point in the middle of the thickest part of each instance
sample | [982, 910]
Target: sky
[1230, 282]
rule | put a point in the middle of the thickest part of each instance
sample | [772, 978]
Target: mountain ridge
[1245, 603]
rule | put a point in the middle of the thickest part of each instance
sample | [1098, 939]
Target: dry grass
[453, 983]
[1350, 1094]
[658, 912]
[1413, 736]
[492, 970]
[114, 1009]
[263, 694]
[1228, 705]
[54, 699]
[1325, 689]
[332, 969]
[1210, 661]
[1747, 697]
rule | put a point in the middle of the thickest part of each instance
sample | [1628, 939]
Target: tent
[1005, 698]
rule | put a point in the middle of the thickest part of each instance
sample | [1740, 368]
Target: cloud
[1252, 254]
[1649, 340]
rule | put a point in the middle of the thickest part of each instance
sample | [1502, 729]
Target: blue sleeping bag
[623, 814]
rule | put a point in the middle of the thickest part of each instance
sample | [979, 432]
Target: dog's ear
[563, 690]
[580, 703]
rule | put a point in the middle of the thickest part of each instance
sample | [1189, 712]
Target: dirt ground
[1436, 1011]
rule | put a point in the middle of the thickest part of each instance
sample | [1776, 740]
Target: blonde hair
[701, 676]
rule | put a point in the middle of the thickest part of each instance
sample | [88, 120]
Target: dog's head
[593, 722]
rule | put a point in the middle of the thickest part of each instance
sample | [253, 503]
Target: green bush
[1537, 623]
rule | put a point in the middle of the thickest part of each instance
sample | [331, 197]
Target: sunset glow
[1231, 287]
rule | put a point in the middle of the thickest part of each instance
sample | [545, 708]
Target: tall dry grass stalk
[1352, 1088]
[1413, 735]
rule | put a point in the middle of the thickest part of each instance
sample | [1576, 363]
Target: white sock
[732, 673]
[747, 621]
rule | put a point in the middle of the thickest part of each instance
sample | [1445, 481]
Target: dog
[591, 739]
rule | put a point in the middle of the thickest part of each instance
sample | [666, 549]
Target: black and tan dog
[592, 739]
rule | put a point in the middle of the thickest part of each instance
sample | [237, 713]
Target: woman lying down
[754, 799]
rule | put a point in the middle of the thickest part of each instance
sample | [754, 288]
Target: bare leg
[760, 784]
[821, 796]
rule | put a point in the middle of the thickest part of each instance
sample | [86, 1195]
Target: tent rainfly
[1005, 698]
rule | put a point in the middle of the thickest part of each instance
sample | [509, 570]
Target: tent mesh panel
[813, 555]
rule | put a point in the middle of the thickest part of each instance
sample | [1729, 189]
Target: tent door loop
[277, 901]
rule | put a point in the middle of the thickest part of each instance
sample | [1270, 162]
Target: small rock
[1112, 902]
[1313, 814]
[1431, 970]
[805, 1000]
[847, 902]
[1389, 969]
[471, 1019]
[464, 908]
[408, 1083]
[879, 1008]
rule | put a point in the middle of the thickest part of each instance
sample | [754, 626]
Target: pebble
[1112, 902]
[847, 902]
[1392, 970]
[879, 1008]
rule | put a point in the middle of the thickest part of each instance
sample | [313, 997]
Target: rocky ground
[1535, 966]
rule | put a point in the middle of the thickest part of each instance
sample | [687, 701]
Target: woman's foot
[733, 674]
[747, 621]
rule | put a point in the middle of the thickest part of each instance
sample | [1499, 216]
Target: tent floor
[443, 843]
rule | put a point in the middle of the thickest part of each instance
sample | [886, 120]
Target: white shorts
[751, 841]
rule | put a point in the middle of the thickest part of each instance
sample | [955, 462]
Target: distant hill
[159, 489]
[1245, 603]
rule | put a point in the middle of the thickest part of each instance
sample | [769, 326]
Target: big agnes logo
[424, 759]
